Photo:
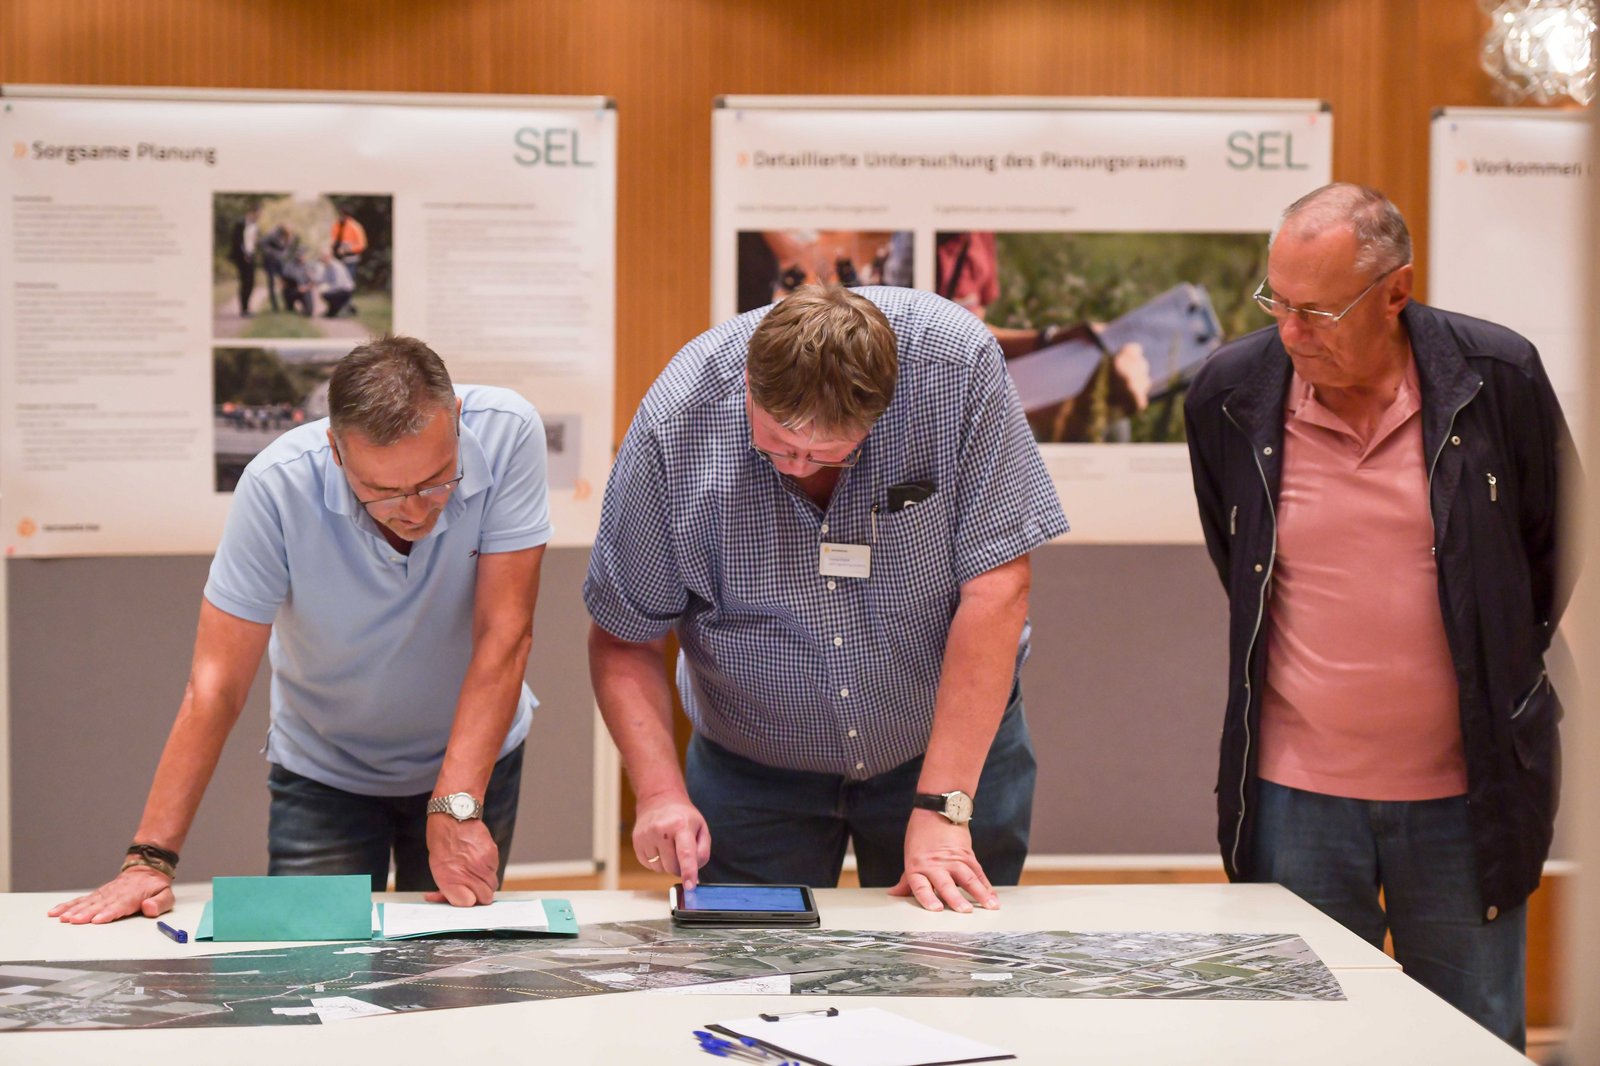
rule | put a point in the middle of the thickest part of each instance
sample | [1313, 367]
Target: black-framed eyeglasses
[1281, 310]
[391, 504]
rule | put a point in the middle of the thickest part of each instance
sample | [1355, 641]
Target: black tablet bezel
[806, 917]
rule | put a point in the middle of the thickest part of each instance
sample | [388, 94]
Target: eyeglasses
[391, 504]
[790, 457]
[1281, 310]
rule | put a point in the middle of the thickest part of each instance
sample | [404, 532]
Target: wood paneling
[1383, 64]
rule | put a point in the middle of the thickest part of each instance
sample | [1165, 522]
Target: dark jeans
[777, 826]
[314, 828]
[1336, 854]
[335, 301]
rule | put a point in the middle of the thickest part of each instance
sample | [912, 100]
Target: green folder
[288, 908]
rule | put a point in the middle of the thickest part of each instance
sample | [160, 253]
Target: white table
[1386, 1017]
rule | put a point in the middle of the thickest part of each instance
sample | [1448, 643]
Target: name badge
[844, 560]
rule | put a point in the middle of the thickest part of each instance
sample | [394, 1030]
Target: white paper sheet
[865, 1037]
[418, 919]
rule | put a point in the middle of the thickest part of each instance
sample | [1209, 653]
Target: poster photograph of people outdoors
[1103, 331]
[289, 265]
[773, 263]
[258, 394]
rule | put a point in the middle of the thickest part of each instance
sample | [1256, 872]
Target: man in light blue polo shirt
[388, 560]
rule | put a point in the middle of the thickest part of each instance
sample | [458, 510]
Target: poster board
[1109, 244]
[180, 270]
[1510, 193]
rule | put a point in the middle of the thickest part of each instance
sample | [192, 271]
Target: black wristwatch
[955, 806]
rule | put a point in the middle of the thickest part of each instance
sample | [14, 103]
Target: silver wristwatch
[461, 806]
[955, 806]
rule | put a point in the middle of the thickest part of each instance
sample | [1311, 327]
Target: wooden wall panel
[1383, 64]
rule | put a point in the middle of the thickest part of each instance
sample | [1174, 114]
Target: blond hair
[824, 359]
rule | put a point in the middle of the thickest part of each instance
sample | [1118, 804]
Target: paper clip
[821, 1012]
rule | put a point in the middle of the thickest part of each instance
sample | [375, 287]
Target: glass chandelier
[1541, 49]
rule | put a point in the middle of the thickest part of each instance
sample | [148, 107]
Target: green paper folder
[290, 908]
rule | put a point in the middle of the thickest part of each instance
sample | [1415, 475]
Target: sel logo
[1263, 150]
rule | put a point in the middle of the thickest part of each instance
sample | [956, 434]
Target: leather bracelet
[158, 858]
[160, 866]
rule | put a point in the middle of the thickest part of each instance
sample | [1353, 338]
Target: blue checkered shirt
[780, 663]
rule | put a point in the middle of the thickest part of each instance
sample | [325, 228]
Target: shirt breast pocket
[913, 588]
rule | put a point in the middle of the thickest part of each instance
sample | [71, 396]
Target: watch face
[462, 805]
[958, 807]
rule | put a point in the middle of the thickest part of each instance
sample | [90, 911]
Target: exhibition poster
[1110, 246]
[180, 272]
[1508, 230]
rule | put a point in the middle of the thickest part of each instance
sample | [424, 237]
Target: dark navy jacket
[1495, 443]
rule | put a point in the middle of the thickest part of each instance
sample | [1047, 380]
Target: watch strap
[442, 805]
[955, 806]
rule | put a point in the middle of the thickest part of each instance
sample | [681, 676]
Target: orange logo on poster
[27, 528]
[19, 150]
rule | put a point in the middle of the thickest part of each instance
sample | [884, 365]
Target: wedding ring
[652, 859]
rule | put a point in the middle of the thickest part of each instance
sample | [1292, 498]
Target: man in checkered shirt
[832, 502]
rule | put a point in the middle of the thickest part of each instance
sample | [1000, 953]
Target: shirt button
[1258, 568]
[1491, 914]
[824, 527]
[1267, 450]
[838, 642]
[394, 558]
[851, 733]
[1457, 440]
[832, 586]
[844, 692]
[861, 766]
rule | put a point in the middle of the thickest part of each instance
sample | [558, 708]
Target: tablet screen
[744, 898]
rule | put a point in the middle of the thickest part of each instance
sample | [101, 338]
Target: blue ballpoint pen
[746, 1048]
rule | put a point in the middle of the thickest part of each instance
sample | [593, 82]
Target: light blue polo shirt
[369, 647]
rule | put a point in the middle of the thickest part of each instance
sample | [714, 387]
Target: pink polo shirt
[1360, 697]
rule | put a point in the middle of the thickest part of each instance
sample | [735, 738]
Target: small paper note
[402, 920]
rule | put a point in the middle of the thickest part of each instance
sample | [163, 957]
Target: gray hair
[1383, 243]
[388, 389]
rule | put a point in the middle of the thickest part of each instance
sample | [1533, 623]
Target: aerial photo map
[338, 981]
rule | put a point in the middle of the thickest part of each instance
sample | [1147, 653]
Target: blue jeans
[1337, 853]
[314, 828]
[776, 826]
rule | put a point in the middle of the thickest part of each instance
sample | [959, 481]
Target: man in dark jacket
[1379, 484]
[242, 250]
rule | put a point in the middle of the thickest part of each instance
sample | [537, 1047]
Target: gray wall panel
[100, 651]
[1124, 691]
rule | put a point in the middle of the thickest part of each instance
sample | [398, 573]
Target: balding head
[1383, 242]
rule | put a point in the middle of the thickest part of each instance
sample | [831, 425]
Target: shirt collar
[1301, 403]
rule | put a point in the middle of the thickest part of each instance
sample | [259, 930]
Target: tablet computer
[744, 905]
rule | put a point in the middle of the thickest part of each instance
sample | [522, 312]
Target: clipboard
[867, 1036]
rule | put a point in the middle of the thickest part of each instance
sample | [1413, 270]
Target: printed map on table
[325, 983]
